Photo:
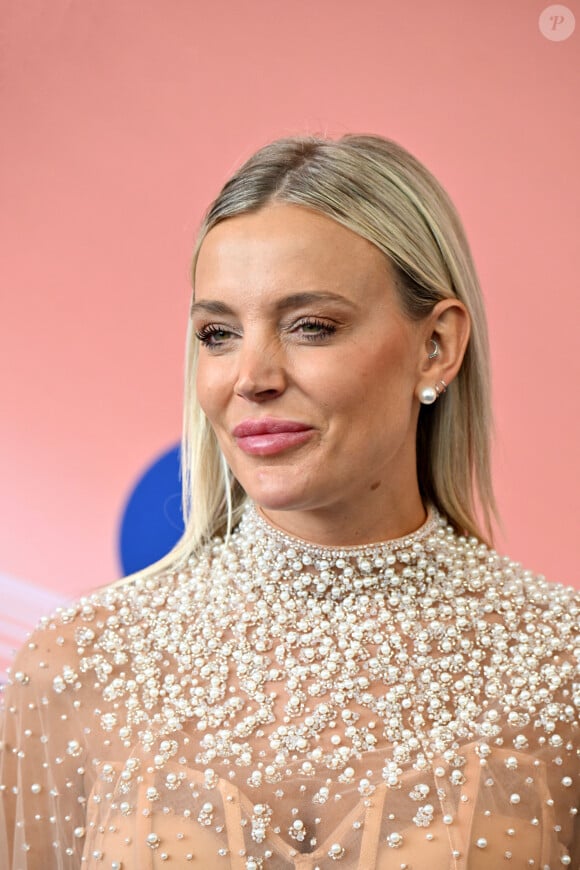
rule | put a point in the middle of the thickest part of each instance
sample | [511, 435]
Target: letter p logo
[557, 23]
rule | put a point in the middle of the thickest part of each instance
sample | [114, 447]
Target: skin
[348, 362]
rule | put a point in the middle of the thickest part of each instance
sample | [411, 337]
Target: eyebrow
[293, 301]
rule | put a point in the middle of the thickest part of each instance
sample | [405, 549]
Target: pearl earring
[428, 395]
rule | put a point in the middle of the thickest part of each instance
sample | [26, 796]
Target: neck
[343, 527]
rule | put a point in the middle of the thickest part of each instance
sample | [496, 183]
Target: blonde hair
[379, 190]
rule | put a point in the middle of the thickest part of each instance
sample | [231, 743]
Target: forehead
[283, 244]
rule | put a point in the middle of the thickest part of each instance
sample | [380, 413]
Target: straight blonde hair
[380, 191]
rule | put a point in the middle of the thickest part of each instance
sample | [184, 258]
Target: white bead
[336, 851]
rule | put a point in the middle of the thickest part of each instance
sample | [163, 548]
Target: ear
[449, 326]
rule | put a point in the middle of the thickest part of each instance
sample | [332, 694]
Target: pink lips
[270, 435]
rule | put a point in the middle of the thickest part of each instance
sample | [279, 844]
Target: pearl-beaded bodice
[273, 704]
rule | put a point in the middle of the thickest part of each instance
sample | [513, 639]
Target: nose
[261, 373]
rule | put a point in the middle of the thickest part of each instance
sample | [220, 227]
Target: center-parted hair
[380, 191]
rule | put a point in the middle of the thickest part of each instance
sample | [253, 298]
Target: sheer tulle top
[275, 704]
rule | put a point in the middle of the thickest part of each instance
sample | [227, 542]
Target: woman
[331, 666]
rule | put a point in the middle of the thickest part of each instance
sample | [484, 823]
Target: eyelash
[210, 330]
[206, 333]
[326, 330]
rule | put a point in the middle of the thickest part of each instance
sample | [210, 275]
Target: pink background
[120, 119]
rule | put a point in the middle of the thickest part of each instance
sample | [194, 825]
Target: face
[308, 369]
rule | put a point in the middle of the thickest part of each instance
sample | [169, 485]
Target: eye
[213, 335]
[315, 330]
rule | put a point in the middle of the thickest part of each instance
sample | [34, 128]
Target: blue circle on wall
[152, 521]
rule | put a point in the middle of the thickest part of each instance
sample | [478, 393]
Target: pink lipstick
[270, 435]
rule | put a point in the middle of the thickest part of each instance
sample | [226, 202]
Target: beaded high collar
[277, 557]
[275, 536]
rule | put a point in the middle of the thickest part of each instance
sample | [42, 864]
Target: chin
[281, 501]
[278, 495]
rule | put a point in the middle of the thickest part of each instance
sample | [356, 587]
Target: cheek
[209, 388]
[365, 381]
